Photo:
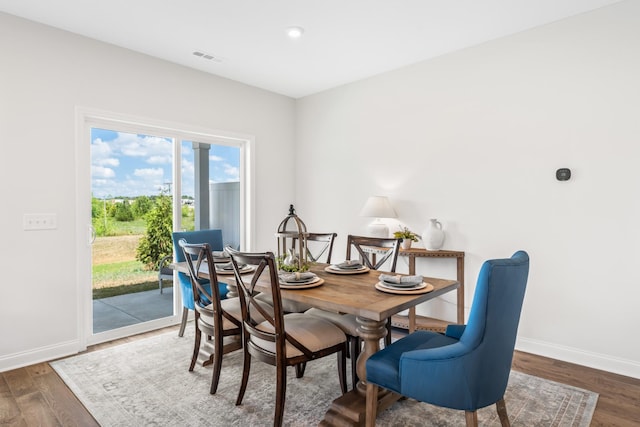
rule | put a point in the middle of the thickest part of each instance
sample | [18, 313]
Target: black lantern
[292, 242]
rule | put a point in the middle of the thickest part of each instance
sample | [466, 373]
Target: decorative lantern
[292, 243]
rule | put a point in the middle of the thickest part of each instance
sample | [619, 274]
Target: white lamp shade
[378, 207]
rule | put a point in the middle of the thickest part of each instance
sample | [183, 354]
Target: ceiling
[343, 40]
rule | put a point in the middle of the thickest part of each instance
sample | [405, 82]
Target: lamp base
[378, 229]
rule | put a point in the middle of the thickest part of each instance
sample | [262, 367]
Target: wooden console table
[413, 321]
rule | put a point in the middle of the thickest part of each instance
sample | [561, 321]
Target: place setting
[227, 268]
[347, 267]
[299, 280]
[407, 285]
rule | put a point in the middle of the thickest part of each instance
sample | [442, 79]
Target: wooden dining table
[353, 294]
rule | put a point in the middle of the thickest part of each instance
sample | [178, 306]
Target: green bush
[157, 243]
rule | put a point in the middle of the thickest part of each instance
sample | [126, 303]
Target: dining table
[358, 293]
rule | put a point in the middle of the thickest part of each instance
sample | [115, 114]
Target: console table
[413, 321]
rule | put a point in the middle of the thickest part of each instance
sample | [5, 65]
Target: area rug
[147, 383]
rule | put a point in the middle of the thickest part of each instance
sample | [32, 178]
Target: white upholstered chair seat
[287, 305]
[312, 332]
[232, 306]
[346, 322]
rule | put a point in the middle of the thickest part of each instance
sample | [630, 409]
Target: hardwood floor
[36, 396]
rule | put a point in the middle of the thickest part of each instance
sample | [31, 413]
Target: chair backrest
[375, 251]
[211, 236]
[265, 264]
[198, 256]
[495, 314]
[318, 244]
[476, 367]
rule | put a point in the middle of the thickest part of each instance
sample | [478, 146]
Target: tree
[157, 242]
[123, 211]
[141, 206]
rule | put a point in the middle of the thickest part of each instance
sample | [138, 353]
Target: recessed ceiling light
[295, 32]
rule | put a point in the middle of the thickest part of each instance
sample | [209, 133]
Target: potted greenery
[407, 237]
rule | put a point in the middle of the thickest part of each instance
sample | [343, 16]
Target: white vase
[406, 243]
[433, 236]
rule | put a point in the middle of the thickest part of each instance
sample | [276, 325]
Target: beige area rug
[147, 383]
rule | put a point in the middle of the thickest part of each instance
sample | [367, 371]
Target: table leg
[350, 409]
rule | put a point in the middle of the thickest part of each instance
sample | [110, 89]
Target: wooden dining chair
[276, 338]
[319, 245]
[217, 319]
[373, 252]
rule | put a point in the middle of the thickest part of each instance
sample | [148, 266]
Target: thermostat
[563, 174]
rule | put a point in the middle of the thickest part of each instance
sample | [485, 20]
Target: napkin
[220, 254]
[297, 277]
[349, 264]
[400, 279]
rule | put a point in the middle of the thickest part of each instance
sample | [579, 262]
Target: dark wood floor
[36, 396]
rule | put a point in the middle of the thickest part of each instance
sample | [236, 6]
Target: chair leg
[196, 348]
[281, 391]
[372, 405]
[300, 367]
[246, 367]
[387, 338]
[217, 361]
[342, 369]
[354, 351]
[501, 406]
[471, 418]
[183, 324]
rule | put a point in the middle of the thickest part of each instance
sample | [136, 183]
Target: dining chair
[164, 272]
[319, 245]
[367, 248]
[281, 340]
[214, 238]
[217, 319]
[468, 366]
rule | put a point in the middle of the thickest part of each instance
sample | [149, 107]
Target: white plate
[336, 270]
[311, 284]
[243, 270]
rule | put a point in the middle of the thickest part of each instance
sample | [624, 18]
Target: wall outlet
[40, 221]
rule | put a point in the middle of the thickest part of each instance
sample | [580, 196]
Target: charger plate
[336, 270]
[312, 284]
[424, 288]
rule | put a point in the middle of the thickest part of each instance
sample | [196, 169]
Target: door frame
[86, 118]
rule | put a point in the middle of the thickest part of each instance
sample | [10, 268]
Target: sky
[131, 165]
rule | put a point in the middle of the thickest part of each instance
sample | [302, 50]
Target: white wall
[474, 139]
[44, 74]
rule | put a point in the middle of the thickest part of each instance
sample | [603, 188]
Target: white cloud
[148, 172]
[215, 158]
[102, 172]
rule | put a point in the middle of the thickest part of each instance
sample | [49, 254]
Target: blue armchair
[468, 367]
[214, 239]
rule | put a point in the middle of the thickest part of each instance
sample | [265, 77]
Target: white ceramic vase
[433, 236]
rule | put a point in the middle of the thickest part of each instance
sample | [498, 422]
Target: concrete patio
[129, 309]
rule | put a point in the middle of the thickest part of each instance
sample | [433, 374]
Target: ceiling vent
[207, 56]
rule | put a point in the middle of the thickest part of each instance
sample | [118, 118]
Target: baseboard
[602, 362]
[42, 354]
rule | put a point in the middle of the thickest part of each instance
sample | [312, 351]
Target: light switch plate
[40, 221]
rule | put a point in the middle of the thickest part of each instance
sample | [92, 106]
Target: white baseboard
[42, 354]
[629, 368]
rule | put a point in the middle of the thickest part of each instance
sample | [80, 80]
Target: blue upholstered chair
[214, 239]
[468, 367]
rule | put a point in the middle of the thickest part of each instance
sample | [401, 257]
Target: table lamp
[378, 207]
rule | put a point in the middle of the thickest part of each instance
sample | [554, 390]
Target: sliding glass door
[144, 182]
